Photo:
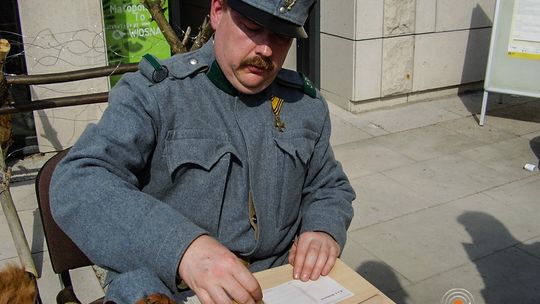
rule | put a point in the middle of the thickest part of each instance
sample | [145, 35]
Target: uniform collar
[215, 74]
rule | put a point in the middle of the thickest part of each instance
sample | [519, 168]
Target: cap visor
[267, 20]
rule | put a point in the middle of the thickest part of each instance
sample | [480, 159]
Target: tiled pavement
[442, 202]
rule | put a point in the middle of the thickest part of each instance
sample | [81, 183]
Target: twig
[156, 11]
[205, 32]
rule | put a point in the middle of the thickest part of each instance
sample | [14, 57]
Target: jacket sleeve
[327, 195]
[95, 192]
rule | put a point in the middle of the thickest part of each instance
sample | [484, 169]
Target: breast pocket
[293, 154]
[198, 162]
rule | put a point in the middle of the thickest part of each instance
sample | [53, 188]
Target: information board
[514, 54]
[130, 33]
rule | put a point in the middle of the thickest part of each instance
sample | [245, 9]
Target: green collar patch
[215, 74]
[296, 80]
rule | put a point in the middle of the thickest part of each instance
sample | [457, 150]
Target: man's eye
[283, 39]
[252, 26]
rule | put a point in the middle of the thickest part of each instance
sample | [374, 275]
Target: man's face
[249, 55]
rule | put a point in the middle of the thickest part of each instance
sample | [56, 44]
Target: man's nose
[264, 50]
[264, 45]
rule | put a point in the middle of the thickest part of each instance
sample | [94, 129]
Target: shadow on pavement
[511, 274]
[383, 277]
[38, 242]
[535, 147]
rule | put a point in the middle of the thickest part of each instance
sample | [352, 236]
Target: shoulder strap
[296, 80]
[152, 69]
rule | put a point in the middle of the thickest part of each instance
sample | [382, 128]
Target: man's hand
[216, 275]
[312, 255]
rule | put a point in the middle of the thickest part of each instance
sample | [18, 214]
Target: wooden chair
[64, 254]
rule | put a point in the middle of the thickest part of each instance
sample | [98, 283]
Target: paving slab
[358, 121]
[506, 157]
[33, 230]
[367, 157]
[433, 289]
[512, 125]
[23, 195]
[410, 116]
[464, 105]
[529, 111]
[446, 178]
[434, 240]
[344, 132]
[531, 246]
[508, 276]
[533, 136]
[470, 103]
[522, 195]
[378, 273]
[380, 198]
[468, 126]
[428, 142]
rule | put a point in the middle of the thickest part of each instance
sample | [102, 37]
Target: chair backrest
[65, 255]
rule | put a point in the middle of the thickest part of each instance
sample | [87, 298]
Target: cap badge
[277, 103]
[289, 4]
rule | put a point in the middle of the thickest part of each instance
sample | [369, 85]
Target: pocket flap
[200, 147]
[297, 143]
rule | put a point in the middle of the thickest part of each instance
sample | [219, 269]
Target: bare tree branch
[185, 41]
[205, 32]
[156, 11]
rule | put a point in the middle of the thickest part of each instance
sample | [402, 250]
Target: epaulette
[296, 80]
[152, 69]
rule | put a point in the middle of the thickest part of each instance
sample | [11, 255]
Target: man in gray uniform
[210, 166]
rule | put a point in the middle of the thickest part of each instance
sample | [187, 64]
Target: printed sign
[130, 32]
[525, 35]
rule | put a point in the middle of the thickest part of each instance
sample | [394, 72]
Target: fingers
[292, 253]
[230, 292]
[250, 292]
[315, 254]
[216, 275]
[249, 284]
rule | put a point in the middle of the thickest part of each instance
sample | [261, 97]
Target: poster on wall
[130, 33]
[525, 33]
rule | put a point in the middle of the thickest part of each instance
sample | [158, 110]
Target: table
[364, 292]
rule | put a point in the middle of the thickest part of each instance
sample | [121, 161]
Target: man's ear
[216, 12]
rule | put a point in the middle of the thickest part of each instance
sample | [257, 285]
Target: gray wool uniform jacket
[180, 154]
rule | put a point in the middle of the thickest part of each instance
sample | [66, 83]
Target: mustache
[259, 62]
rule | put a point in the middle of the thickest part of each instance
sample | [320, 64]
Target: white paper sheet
[526, 20]
[323, 291]
[524, 39]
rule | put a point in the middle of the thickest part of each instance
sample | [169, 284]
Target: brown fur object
[156, 298]
[17, 286]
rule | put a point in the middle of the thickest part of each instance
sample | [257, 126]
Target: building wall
[382, 52]
[62, 36]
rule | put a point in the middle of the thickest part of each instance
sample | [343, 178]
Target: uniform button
[193, 61]
[282, 10]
